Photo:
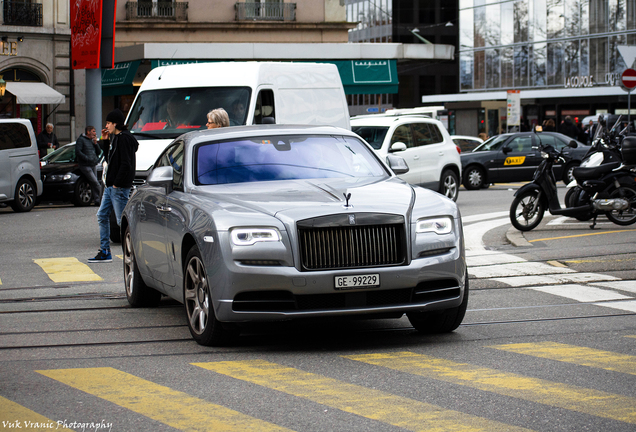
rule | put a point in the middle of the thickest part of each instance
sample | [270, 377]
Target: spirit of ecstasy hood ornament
[347, 197]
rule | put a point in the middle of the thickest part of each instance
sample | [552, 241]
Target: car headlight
[249, 236]
[438, 225]
[60, 177]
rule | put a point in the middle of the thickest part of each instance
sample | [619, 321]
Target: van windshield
[171, 112]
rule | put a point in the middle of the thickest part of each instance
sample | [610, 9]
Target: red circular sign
[628, 78]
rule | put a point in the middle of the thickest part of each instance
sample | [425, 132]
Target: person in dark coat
[87, 158]
[120, 146]
[569, 128]
[47, 140]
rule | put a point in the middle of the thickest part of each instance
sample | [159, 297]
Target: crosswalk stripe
[629, 306]
[582, 293]
[582, 356]
[15, 416]
[520, 281]
[588, 401]
[67, 269]
[171, 407]
[369, 403]
[527, 268]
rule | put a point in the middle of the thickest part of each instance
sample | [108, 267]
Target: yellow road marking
[369, 403]
[556, 264]
[582, 235]
[582, 356]
[588, 401]
[598, 260]
[15, 416]
[171, 407]
[67, 270]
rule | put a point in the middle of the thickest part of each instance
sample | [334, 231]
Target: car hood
[54, 168]
[293, 200]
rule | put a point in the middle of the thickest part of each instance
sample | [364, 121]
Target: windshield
[62, 155]
[171, 112]
[493, 143]
[284, 158]
[374, 135]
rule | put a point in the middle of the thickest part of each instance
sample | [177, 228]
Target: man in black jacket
[120, 146]
[47, 140]
[87, 159]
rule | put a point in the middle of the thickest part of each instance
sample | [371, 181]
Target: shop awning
[34, 93]
[368, 76]
[119, 80]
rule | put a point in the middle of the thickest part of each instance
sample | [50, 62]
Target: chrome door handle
[164, 209]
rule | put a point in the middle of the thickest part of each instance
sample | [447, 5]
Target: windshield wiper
[145, 134]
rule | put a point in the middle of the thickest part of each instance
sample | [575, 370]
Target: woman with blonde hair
[218, 118]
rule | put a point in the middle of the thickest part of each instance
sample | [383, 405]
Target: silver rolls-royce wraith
[275, 222]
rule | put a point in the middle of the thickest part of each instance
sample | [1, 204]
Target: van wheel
[25, 195]
[83, 193]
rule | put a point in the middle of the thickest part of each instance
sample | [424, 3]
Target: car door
[152, 226]
[431, 149]
[411, 155]
[517, 160]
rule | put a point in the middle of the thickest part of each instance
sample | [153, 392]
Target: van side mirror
[161, 177]
[397, 164]
[397, 147]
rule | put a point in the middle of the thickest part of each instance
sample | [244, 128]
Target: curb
[516, 238]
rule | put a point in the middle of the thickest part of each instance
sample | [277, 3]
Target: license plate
[357, 281]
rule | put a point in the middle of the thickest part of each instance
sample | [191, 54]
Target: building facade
[35, 64]
[562, 55]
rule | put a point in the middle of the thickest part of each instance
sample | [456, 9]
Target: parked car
[424, 143]
[276, 222]
[466, 143]
[513, 157]
[20, 182]
[62, 178]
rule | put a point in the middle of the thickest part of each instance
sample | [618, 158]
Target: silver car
[263, 223]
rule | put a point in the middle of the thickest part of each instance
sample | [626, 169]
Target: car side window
[521, 144]
[173, 157]
[402, 134]
[264, 106]
[14, 135]
[549, 140]
[425, 134]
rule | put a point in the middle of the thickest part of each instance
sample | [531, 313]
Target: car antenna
[173, 54]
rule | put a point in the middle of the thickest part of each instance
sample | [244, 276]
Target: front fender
[527, 187]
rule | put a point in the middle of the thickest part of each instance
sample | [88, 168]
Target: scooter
[604, 190]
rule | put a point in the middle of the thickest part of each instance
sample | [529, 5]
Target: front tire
[443, 321]
[204, 327]
[83, 194]
[25, 195]
[568, 172]
[449, 185]
[474, 178]
[623, 217]
[137, 292]
[526, 211]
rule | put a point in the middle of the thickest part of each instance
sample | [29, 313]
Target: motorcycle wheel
[526, 211]
[623, 217]
[575, 198]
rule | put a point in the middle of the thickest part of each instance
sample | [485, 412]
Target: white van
[20, 181]
[175, 99]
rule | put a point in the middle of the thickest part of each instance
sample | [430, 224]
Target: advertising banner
[86, 35]
[514, 108]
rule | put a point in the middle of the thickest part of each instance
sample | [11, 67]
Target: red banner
[86, 33]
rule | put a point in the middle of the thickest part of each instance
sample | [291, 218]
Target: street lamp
[416, 33]
[3, 86]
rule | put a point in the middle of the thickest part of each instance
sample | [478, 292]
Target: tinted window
[374, 135]
[493, 143]
[173, 157]
[549, 140]
[62, 155]
[284, 158]
[14, 135]
[402, 134]
[521, 144]
[424, 134]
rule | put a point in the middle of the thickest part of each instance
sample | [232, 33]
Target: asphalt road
[548, 342]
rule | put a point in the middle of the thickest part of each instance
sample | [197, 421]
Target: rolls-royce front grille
[323, 248]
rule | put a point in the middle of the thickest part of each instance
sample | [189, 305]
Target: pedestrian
[120, 146]
[569, 128]
[47, 140]
[218, 118]
[87, 158]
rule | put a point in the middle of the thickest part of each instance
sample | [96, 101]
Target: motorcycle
[605, 189]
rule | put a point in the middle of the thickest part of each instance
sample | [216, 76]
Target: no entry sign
[628, 79]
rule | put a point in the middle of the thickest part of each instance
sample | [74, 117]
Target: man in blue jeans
[120, 146]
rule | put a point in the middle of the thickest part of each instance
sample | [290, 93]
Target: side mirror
[573, 144]
[397, 164]
[506, 150]
[161, 177]
[397, 147]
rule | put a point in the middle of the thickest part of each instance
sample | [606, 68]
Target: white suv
[424, 143]
[20, 182]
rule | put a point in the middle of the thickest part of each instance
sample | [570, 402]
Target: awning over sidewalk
[34, 93]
